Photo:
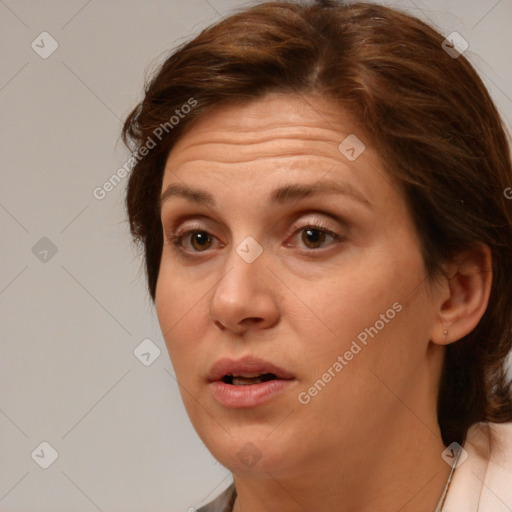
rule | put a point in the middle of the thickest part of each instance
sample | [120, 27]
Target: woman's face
[288, 254]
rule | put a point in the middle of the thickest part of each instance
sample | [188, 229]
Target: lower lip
[251, 395]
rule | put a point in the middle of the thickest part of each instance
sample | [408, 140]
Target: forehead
[281, 138]
[308, 125]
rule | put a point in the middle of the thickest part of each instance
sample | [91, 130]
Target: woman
[320, 194]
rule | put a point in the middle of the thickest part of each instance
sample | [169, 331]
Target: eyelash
[177, 238]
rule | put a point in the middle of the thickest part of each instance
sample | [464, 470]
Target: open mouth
[248, 382]
[244, 380]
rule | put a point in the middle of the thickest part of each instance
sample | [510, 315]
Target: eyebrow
[281, 195]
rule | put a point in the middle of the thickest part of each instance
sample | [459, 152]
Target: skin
[370, 439]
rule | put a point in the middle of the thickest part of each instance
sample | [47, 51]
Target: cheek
[355, 298]
[166, 304]
[374, 326]
[371, 300]
[179, 310]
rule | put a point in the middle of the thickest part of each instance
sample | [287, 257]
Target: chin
[249, 450]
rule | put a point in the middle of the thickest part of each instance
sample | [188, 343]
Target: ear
[464, 296]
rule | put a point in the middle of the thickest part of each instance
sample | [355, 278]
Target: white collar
[483, 482]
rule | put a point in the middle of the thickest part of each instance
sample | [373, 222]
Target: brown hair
[428, 114]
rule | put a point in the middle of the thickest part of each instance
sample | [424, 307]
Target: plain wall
[71, 319]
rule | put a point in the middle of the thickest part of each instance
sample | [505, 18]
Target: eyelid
[316, 222]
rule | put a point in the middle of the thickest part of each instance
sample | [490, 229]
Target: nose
[245, 297]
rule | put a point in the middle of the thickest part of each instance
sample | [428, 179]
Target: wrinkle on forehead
[280, 139]
[254, 131]
[279, 149]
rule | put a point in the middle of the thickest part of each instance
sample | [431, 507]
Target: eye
[315, 235]
[199, 239]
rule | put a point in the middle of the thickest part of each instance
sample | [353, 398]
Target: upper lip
[246, 365]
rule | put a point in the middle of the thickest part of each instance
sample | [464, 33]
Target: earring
[445, 332]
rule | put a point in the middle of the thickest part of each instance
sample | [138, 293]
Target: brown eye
[313, 238]
[200, 240]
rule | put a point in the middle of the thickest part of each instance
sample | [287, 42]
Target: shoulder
[482, 479]
[222, 503]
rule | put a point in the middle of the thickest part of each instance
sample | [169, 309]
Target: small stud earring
[445, 332]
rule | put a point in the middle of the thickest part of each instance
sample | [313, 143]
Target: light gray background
[70, 324]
